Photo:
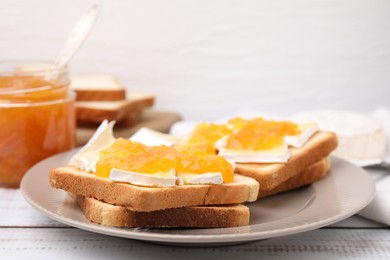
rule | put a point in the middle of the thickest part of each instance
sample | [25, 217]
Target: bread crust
[97, 88]
[140, 198]
[271, 175]
[100, 94]
[313, 173]
[96, 112]
[198, 216]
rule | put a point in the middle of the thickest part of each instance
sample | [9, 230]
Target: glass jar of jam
[37, 117]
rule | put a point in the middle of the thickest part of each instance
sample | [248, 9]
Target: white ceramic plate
[345, 191]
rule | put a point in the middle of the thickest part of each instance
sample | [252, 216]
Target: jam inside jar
[37, 118]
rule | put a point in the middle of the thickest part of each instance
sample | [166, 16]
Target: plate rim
[194, 239]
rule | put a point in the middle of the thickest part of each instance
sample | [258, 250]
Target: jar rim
[18, 79]
[71, 97]
[29, 67]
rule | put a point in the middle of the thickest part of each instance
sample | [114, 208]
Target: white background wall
[208, 58]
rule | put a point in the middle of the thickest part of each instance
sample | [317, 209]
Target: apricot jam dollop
[259, 134]
[204, 137]
[136, 157]
[200, 162]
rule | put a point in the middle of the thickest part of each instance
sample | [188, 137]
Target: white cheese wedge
[160, 179]
[204, 178]
[88, 155]
[307, 131]
[279, 154]
[361, 137]
[165, 179]
[151, 137]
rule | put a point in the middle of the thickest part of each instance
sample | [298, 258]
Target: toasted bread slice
[191, 217]
[271, 175]
[97, 88]
[138, 198]
[98, 111]
[198, 216]
[313, 173]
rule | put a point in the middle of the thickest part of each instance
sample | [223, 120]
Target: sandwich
[271, 152]
[142, 178]
[115, 183]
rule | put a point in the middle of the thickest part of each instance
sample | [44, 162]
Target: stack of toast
[120, 204]
[102, 97]
[306, 165]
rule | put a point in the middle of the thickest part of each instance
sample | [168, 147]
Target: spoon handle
[78, 35]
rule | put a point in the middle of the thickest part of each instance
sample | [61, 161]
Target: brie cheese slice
[279, 154]
[307, 131]
[203, 178]
[150, 137]
[88, 155]
[161, 179]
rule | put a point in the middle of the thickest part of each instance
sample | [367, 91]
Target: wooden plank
[70, 243]
[16, 212]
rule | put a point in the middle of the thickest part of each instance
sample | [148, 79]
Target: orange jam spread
[123, 148]
[37, 121]
[259, 134]
[14, 89]
[237, 123]
[204, 136]
[200, 162]
[132, 156]
[136, 157]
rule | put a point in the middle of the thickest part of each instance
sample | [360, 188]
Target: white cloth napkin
[379, 209]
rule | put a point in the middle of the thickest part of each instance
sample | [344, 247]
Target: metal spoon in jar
[78, 35]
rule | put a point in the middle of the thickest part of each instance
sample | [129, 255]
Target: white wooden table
[27, 234]
[236, 56]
